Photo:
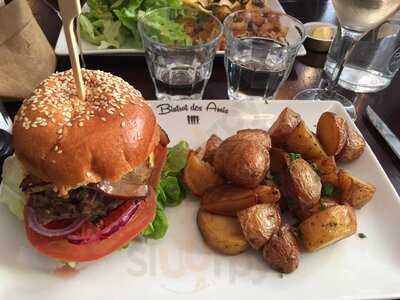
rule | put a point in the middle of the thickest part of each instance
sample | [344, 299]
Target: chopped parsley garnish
[293, 156]
[362, 235]
[322, 204]
[329, 190]
[275, 177]
[271, 177]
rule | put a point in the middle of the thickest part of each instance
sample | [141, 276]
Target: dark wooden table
[306, 73]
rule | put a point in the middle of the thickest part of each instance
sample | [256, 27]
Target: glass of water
[180, 46]
[374, 61]
[260, 51]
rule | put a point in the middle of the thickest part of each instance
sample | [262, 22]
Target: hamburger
[90, 167]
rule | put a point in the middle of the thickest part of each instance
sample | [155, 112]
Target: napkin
[26, 56]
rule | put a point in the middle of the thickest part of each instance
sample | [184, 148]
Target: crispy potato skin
[332, 132]
[221, 233]
[355, 191]
[279, 160]
[286, 122]
[282, 252]
[328, 226]
[323, 203]
[353, 148]
[211, 147]
[331, 178]
[325, 165]
[199, 176]
[227, 199]
[259, 136]
[259, 223]
[243, 158]
[302, 140]
[306, 183]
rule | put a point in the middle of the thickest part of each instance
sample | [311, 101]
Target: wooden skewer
[69, 10]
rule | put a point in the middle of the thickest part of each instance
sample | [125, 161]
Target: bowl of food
[319, 36]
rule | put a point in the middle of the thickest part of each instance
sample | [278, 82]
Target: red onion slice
[42, 230]
[107, 231]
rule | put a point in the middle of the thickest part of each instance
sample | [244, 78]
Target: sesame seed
[56, 148]
[55, 100]
[123, 124]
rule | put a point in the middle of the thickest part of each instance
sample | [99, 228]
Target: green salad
[113, 23]
[170, 191]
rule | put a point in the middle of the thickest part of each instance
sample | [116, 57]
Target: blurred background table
[306, 73]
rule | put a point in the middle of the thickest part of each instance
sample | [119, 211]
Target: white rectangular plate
[181, 266]
[88, 48]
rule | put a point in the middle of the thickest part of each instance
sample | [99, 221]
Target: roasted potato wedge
[211, 147]
[259, 223]
[332, 132]
[353, 148]
[279, 160]
[221, 233]
[354, 191]
[282, 252]
[324, 203]
[328, 226]
[331, 178]
[243, 158]
[199, 176]
[324, 165]
[258, 136]
[306, 183]
[286, 122]
[228, 199]
[302, 140]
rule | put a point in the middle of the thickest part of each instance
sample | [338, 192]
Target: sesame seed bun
[69, 142]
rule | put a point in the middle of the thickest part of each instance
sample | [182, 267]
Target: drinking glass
[260, 51]
[374, 61]
[180, 46]
[356, 18]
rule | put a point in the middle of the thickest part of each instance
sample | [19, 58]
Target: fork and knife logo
[193, 119]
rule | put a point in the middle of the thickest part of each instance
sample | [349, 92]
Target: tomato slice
[160, 154]
[60, 248]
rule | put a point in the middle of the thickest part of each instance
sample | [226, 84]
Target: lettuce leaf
[106, 33]
[158, 228]
[113, 23]
[176, 159]
[170, 190]
[160, 28]
[10, 193]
